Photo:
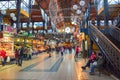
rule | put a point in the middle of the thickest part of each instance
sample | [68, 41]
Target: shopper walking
[20, 56]
[76, 51]
[49, 51]
[16, 55]
[29, 54]
[62, 50]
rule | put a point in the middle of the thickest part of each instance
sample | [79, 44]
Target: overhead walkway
[108, 48]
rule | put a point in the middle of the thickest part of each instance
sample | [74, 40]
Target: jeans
[61, 53]
[4, 61]
[88, 63]
[92, 68]
[20, 60]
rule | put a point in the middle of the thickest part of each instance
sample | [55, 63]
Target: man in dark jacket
[20, 56]
[49, 51]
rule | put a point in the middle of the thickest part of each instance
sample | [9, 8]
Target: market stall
[7, 43]
[38, 45]
[23, 39]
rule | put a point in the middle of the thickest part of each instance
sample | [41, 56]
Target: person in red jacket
[91, 59]
[4, 57]
[16, 55]
[76, 51]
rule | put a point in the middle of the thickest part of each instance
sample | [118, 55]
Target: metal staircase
[109, 50]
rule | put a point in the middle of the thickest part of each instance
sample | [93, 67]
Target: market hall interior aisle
[45, 68]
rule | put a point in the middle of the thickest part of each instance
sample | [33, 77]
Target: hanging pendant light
[82, 3]
[78, 11]
[75, 7]
[14, 18]
[12, 14]
[3, 12]
[67, 29]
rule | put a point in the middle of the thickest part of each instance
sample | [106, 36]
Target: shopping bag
[8, 59]
[95, 63]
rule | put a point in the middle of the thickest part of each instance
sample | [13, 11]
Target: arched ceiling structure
[60, 11]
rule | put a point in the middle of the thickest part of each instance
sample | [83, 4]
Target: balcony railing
[115, 33]
[111, 52]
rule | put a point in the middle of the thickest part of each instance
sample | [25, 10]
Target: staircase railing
[115, 33]
[111, 52]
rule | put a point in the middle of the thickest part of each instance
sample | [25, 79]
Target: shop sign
[8, 28]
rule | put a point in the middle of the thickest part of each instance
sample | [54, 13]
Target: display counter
[7, 44]
[22, 40]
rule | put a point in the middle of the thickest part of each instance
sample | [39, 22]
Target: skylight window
[7, 5]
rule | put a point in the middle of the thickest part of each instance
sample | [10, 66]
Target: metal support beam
[112, 21]
[97, 16]
[88, 15]
[28, 26]
[18, 6]
[81, 24]
[21, 25]
[106, 14]
[29, 19]
[87, 21]
[91, 47]
[98, 20]
[43, 27]
[32, 27]
[89, 7]
[1, 16]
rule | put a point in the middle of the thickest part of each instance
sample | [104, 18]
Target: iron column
[18, 7]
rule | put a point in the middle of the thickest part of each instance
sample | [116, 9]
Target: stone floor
[55, 68]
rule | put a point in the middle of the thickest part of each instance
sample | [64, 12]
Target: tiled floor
[45, 68]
